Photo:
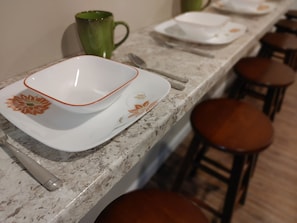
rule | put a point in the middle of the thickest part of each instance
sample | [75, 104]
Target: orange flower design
[28, 104]
[141, 108]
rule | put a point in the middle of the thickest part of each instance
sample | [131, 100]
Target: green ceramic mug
[194, 5]
[96, 32]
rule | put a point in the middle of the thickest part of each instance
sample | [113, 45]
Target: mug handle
[206, 4]
[126, 35]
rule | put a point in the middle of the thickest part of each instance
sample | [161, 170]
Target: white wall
[36, 32]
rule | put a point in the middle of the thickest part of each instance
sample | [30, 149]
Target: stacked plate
[252, 7]
[201, 27]
[82, 102]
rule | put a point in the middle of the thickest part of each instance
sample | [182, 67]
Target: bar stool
[286, 25]
[152, 206]
[263, 79]
[234, 127]
[291, 14]
[282, 46]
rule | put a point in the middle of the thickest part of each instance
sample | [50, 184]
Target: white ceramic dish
[74, 132]
[82, 84]
[201, 25]
[242, 4]
[263, 8]
[230, 32]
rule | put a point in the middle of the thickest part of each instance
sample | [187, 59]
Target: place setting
[82, 102]
[249, 7]
[202, 28]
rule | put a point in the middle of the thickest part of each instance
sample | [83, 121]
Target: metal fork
[177, 46]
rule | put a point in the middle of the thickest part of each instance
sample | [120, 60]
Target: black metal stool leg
[291, 59]
[269, 104]
[254, 163]
[198, 159]
[280, 99]
[233, 187]
[247, 177]
[265, 52]
[187, 163]
[237, 90]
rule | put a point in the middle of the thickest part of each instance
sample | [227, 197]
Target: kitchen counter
[88, 176]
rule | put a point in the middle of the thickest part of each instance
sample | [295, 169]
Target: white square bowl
[82, 84]
[201, 25]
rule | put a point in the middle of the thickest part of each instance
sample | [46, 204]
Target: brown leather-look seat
[263, 79]
[287, 25]
[152, 206]
[291, 14]
[232, 126]
[281, 46]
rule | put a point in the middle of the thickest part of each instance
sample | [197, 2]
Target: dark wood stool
[282, 46]
[286, 25]
[291, 14]
[232, 126]
[152, 206]
[263, 79]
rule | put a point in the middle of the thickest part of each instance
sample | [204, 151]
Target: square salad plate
[228, 33]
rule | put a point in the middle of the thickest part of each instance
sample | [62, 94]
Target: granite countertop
[89, 175]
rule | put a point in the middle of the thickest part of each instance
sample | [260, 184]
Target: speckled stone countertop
[89, 175]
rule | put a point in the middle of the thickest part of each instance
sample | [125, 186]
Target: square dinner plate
[229, 32]
[73, 132]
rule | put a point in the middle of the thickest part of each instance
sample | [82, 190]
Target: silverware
[42, 175]
[141, 64]
[188, 49]
[137, 61]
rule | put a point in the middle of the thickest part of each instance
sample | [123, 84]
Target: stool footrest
[214, 173]
[255, 94]
[216, 164]
[205, 206]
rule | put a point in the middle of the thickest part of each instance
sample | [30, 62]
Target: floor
[272, 195]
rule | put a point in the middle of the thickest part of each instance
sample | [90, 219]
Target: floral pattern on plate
[28, 104]
[138, 104]
[139, 109]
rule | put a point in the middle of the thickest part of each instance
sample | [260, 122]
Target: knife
[42, 175]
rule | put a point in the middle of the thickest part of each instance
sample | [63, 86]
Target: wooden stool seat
[282, 46]
[152, 206]
[280, 41]
[265, 72]
[228, 125]
[232, 126]
[271, 75]
[286, 25]
[291, 14]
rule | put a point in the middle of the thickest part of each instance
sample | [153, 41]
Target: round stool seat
[291, 14]
[265, 72]
[151, 206]
[233, 126]
[263, 79]
[280, 41]
[280, 45]
[286, 25]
